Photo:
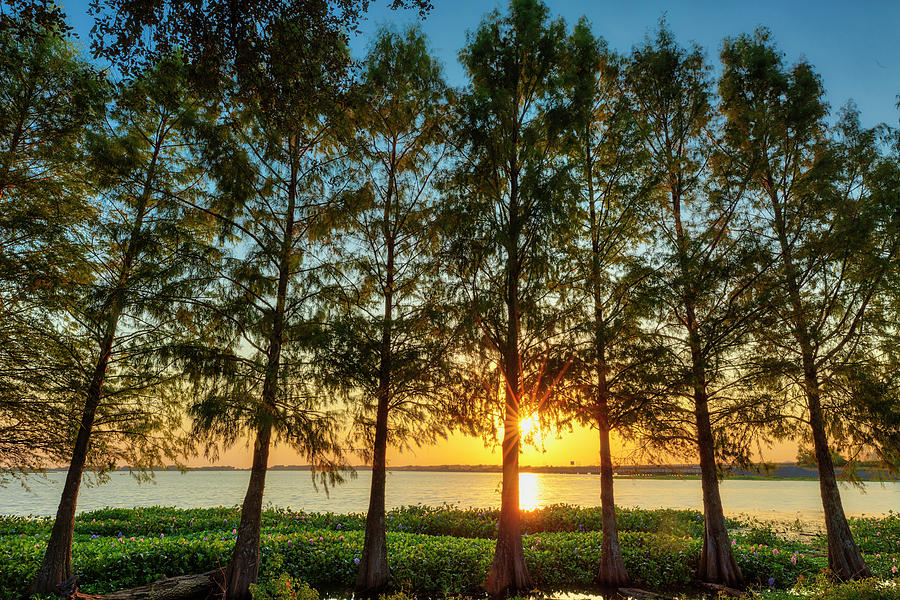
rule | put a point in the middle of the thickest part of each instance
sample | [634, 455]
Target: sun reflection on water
[529, 491]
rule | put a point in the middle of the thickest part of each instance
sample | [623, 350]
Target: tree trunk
[844, 558]
[612, 568]
[508, 571]
[374, 571]
[244, 566]
[203, 586]
[717, 563]
[243, 569]
[57, 564]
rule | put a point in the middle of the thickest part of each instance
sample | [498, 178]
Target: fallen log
[184, 587]
[202, 586]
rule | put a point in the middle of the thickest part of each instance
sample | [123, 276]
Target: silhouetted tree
[704, 258]
[271, 156]
[821, 200]
[389, 334]
[143, 251]
[49, 98]
[223, 38]
[612, 378]
[508, 209]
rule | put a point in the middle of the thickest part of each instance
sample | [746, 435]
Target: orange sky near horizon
[580, 446]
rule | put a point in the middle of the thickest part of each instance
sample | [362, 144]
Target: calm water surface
[778, 499]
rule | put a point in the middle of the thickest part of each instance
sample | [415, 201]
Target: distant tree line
[238, 230]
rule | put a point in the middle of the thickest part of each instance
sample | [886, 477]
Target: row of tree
[248, 228]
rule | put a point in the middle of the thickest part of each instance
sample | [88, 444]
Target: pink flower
[893, 569]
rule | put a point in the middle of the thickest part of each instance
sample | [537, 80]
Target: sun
[527, 426]
[530, 431]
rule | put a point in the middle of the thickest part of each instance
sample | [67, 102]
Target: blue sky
[855, 46]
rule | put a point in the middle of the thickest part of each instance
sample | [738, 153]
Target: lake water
[781, 500]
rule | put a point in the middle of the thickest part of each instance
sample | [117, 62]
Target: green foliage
[321, 549]
[764, 565]
[224, 38]
[442, 521]
[388, 332]
[831, 224]
[757, 533]
[147, 252]
[619, 202]
[281, 586]
[50, 97]
[877, 534]
[507, 211]
[815, 191]
[269, 158]
[867, 589]
[614, 370]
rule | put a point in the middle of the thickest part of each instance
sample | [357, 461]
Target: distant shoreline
[774, 471]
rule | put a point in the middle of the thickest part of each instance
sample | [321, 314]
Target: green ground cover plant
[877, 534]
[443, 520]
[433, 551]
